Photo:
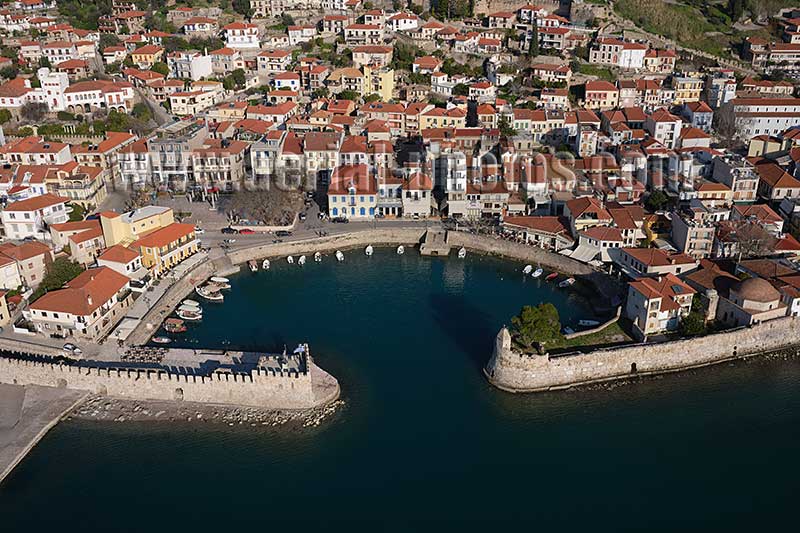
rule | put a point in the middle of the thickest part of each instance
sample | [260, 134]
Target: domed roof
[756, 290]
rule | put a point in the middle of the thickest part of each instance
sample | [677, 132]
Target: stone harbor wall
[513, 371]
[264, 388]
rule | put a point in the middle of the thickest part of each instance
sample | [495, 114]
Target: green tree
[59, 272]
[141, 111]
[694, 323]
[242, 7]
[461, 89]
[239, 77]
[5, 116]
[657, 201]
[533, 46]
[452, 9]
[160, 67]
[537, 325]
[505, 127]
[374, 97]
[348, 95]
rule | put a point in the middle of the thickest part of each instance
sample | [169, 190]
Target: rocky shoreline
[103, 408]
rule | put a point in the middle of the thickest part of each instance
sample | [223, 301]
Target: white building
[31, 217]
[189, 64]
[241, 35]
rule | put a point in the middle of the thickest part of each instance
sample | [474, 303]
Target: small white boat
[194, 309]
[339, 256]
[162, 340]
[253, 266]
[589, 323]
[302, 260]
[568, 330]
[462, 253]
[190, 303]
[290, 260]
[566, 283]
[220, 280]
[369, 250]
[537, 273]
[400, 250]
[317, 257]
[189, 315]
[214, 296]
[265, 264]
[527, 270]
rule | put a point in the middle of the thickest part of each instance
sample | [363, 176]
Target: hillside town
[537, 123]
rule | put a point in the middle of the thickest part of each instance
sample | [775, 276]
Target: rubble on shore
[107, 409]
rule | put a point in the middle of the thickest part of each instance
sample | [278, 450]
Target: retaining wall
[265, 388]
[516, 372]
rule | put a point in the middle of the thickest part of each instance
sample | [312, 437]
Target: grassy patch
[612, 334]
[593, 70]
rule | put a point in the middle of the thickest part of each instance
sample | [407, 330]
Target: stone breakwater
[513, 371]
[262, 388]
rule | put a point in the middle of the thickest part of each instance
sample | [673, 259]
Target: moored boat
[253, 266]
[527, 270]
[339, 256]
[566, 283]
[209, 294]
[190, 303]
[290, 260]
[551, 276]
[538, 272]
[265, 264]
[186, 314]
[317, 257]
[220, 280]
[193, 308]
[369, 250]
[400, 250]
[589, 323]
[302, 260]
[174, 325]
[162, 340]
[462, 253]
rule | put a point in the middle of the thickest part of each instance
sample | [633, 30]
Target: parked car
[246, 231]
[302, 217]
[229, 241]
[340, 220]
[69, 347]
[229, 230]
[198, 230]
[283, 233]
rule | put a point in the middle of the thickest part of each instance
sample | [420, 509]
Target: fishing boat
[369, 250]
[253, 266]
[174, 325]
[527, 270]
[538, 272]
[401, 250]
[209, 294]
[339, 256]
[566, 283]
[194, 309]
[462, 253]
[162, 340]
[220, 280]
[191, 303]
[551, 276]
[192, 316]
[265, 264]
[317, 257]
[589, 323]
[220, 286]
[290, 260]
[302, 260]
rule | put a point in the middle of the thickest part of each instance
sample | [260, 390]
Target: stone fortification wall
[518, 252]
[516, 372]
[264, 388]
[376, 237]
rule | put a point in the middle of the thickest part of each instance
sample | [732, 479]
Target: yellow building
[129, 227]
[379, 81]
[82, 184]
[439, 117]
[164, 248]
[147, 56]
[687, 89]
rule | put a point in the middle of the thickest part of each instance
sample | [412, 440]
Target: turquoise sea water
[423, 442]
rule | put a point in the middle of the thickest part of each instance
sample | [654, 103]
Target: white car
[69, 347]
[198, 230]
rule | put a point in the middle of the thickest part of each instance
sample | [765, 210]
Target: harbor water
[423, 442]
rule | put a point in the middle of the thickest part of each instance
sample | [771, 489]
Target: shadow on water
[471, 328]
